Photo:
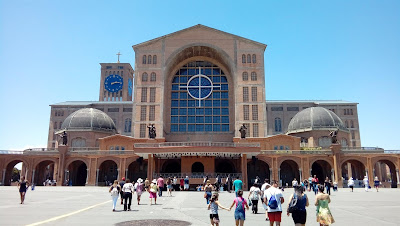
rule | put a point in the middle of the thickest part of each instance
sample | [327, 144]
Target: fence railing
[194, 144]
[197, 175]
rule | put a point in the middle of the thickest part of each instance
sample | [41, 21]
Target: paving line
[68, 214]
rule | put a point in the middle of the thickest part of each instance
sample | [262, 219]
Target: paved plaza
[92, 205]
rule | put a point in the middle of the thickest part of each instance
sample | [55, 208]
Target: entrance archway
[171, 166]
[43, 171]
[385, 170]
[321, 169]
[289, 171]
[77, 173]
[257, 168]
[224, 166]
[137, 169]
[197, 167]
[13, 174]
[107, 173]
[353, 168]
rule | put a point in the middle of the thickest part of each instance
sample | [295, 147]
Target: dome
[88, 119]
[315, 118]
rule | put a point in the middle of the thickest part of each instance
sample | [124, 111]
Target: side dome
[89, 119]
[315, 118]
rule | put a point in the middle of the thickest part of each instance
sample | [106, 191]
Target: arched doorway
[137, 169]
[257, 168]
[171, 166]
[44, 171]
[13, 174]
[385, 170]
[107, 173]
[224, 166]
[288, 171]
[321, 169]
[355, 169]
[77, 173]
[198, 168]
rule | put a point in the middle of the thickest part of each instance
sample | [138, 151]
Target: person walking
[23, 186]
[335, 186]
[366, 183]
[217, 182]
[254, 196]
[350, 183]
[115, 190]
[310, 183]
[207, 191]
[169, 186]
[128, 190]
[205, 179]
[181, 184]
[294, 183]
[175, 184]
[315, 183]
[146, 184]
[322, 200]
[376, 183]
[121, 185]
[139, 187]
[186, 181]
[153, 192]
[273, 198]
[213, 207]
[299, 201]
[237, 184]
[240, 202]
[228, 182]
[327, 184]
[264, 187]
[160, 184]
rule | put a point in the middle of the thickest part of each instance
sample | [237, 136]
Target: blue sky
[327, 50]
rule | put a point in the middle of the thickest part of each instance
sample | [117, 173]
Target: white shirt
[255, 193]
[365, 181]
[128, 187]
[351, 182]
[294, 183]
[278, 194]
[264, 186]
[175, 180]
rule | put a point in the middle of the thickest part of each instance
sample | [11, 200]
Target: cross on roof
[119, 54]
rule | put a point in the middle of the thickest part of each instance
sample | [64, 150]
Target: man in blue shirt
[237, 184]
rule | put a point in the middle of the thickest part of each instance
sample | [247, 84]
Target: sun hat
[154, 181]
[140, 180]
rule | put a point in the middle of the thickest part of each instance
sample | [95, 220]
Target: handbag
[250, 203]
[292, 205]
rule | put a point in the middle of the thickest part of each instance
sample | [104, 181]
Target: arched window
[254, 58]
[128, 123]
[344, 142]
[245, 76]
[244, 58]
[55, 125]
[346, 123]
[278, 125]
[149, 59]
[144, 59]
[253, 76]
[145, 77]
[204, 110]
[78, 142]
[324, 142]
[155, 59]
[153, 77]
[248, 58]
[197, 167]
[352, 124]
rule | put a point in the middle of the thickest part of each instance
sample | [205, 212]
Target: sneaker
[266, 219]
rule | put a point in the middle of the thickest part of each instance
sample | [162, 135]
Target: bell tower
[116, 82]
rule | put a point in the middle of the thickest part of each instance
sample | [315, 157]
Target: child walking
[213, 207]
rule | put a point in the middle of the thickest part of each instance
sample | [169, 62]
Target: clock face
[130, 87]
[113, 83]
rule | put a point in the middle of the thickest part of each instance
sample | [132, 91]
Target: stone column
[126, 173]
[243, 164]
[4, 175]
[397, 175]
[279, 177]
[66, 177]
[33, 176]
[333, 175]
[349, 171]
[62, 149]
[97, 177]
[336, 149]
[301, 175]
[117, 175]
[87, 176]
[270, 175]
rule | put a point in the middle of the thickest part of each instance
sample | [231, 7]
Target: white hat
[140, 180]
[154, 181]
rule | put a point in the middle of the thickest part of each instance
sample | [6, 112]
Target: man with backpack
[273, 198]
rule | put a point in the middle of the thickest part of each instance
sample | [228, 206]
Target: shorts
[275, 216]
[351, 186]
[240, 215]
[169, 186]
[299, 217]
[214, 215]
[186, 186]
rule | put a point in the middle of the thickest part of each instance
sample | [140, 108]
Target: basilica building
[194, 105]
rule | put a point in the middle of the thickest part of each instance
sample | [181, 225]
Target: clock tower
[116, 82]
